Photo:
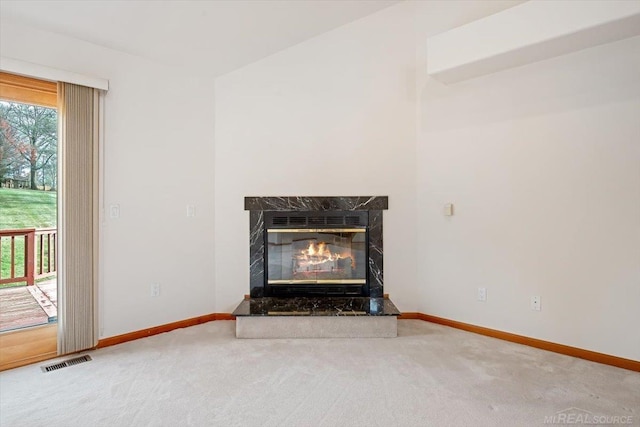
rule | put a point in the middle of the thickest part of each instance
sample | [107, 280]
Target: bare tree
[10, 160]
[31, 132]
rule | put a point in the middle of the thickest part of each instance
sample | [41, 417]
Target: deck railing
[28, 254]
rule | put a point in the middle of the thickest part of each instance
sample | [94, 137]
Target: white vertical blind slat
[77, 219]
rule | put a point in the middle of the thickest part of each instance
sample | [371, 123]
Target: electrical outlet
[114, 211]
[155, 289]
[535, 303]
[482, 294]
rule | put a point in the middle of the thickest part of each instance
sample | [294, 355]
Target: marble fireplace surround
[258, 205]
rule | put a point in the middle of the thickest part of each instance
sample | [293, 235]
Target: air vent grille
[66, 363]
[316, 219]
[335, 220]
[309, 290]
[280, 220]
[352, 220]
[297, 220]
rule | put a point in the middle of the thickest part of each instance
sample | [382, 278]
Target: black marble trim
[373, 204]
[316, 307]
[256, 254]
[299, 203]
[375, 255]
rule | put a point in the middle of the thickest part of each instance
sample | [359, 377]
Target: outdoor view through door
[28, 202]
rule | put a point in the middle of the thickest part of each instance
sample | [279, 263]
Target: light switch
[191, 210]
[448, 209]
[114, 211]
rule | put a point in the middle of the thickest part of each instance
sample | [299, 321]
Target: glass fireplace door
[316, 256]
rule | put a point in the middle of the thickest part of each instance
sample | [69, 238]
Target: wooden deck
[25, 306]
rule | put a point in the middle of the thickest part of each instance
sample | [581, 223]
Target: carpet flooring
[430, 375]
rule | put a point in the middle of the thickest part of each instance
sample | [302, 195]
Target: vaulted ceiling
[220, 35]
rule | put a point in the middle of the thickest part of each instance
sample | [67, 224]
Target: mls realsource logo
[577, 416]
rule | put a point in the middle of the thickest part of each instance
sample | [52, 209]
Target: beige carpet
[429, 375]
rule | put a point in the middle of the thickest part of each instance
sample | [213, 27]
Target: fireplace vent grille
[317, 220]
[352, 220]
[335, 220]
[280, 220]
[316, 290]
[297, 220]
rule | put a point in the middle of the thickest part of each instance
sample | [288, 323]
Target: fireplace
[316, 246]
[316, 269]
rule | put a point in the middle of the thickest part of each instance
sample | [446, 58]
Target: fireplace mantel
[301, 203]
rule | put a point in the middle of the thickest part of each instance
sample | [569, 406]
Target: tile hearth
[360, 306]
[360, 317]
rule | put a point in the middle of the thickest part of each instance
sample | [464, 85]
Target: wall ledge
[527, 33]
[30, 69]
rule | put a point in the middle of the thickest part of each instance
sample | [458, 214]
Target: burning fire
[317, 258]
[319, 253]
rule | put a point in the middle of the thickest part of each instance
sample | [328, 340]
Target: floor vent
[65, 363]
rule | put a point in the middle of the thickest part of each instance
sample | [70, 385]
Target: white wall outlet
[535, 303]
[155, 289]
[482, 294]
[191, 211]
[114, 211]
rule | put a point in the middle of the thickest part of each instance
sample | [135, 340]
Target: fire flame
[319, 253]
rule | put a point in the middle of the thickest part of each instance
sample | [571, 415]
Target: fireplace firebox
[316, 253]
[316, 246]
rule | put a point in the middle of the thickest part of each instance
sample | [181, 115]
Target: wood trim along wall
[593, 356]
[409, 316]
[119, 339]
[28, 90]
[30, 345]
[26, 346]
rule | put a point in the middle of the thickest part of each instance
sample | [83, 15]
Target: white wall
[158, 154]
[335, 115]
[542, 163]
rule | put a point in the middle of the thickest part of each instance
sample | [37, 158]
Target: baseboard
[409, 316]
[131, 336]
[580, 353]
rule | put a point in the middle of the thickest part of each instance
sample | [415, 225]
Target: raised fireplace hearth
[316, 269]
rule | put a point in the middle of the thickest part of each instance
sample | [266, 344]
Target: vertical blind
[78, 217]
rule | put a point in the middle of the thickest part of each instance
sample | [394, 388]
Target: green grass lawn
[27, 208]
[23, 209]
